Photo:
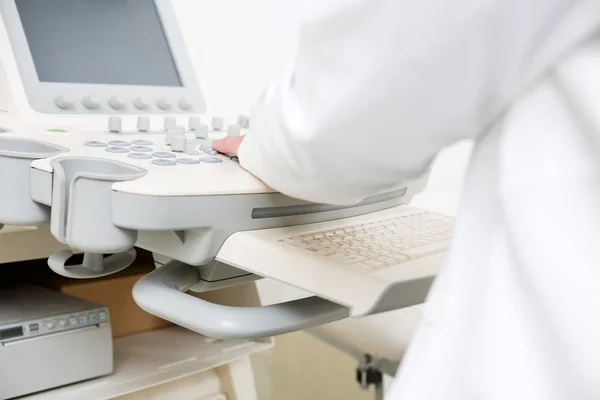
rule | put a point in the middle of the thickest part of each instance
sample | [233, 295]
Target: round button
[179, 142]
[211, 160]
[243, 121]
[50, 325]
[90, 103]
[217, 123]
[117, 150]
[172, 132]
[163, 163]
[140, 104]
[233, 130]
[194, 123]
[118, 143]
[93, 143]
[143, 124]
[201, 132]
[139, 156]
[209, 150]
[114, 124]
[184, 104]
[63, 102]
[115, 103]
[142, 142]
[187, 161]
[163, 154]
[163, 103]
[62, 323]
[170, 122]
[141, 149]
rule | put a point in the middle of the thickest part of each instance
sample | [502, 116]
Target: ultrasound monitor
[109, 56]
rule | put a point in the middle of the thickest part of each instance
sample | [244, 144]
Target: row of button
[139, 150]
[73, 321]
[195, 124]
[89, 102]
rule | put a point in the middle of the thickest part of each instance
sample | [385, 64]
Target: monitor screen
[119, 42]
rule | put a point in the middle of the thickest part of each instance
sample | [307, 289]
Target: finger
[228, 145]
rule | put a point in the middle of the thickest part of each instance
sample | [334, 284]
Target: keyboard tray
[363, 292]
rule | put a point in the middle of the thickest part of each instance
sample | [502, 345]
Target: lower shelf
[156, 358]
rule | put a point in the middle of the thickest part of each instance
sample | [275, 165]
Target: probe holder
[81, 216]
[16, 206]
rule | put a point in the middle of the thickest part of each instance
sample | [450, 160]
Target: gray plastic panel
[404, 294]
[81, 213]
[191, 229]
[16, 204]
[160, 293]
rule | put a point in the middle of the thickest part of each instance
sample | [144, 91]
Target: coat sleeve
[379, 87]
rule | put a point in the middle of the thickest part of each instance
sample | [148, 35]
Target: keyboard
[380, 243]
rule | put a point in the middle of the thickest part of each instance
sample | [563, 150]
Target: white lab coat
[378, 88]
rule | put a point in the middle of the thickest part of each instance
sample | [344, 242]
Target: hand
[228, 145]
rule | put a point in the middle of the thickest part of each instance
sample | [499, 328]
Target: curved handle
[160, 294]
[93, 265]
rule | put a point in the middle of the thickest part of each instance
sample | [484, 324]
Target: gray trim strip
[294, 210]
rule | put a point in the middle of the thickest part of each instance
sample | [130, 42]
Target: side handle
[161, 293]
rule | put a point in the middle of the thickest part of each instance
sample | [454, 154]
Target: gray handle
[160, 293]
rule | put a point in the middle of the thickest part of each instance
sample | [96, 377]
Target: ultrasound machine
[105, 140]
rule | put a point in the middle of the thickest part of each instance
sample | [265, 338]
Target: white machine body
[105, 137]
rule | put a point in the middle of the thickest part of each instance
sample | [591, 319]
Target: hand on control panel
[228, 145]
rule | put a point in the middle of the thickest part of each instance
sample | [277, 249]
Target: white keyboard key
[424, 251]
[388, 260]
[375, 264]
[350, 259]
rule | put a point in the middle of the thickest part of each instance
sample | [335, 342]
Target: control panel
[169, 144]
[54, 324]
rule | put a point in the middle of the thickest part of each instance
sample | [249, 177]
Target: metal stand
[370, 370]
[368, 374]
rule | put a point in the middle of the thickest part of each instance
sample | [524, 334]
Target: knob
[90, 103]
[143, 124]
[170, 122]
[172, 132]
[140, 104]
[63, 102]
[243, 121]
[233, 130]
[184, 104]
[194, 123]
[115, 103]
[217, 123]
[179, 142]
[202, 132]
[114, 124]
[163, 104]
